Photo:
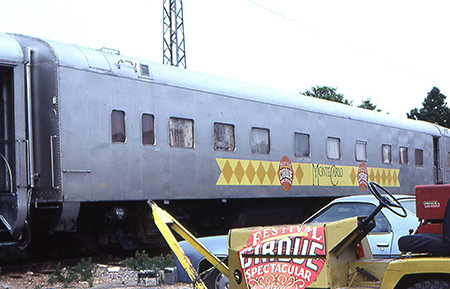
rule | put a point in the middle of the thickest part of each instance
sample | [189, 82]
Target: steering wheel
[387, 199]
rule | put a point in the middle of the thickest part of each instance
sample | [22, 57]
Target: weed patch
[141, 261]
[83, 271]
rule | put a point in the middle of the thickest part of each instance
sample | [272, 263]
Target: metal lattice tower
[174, 52]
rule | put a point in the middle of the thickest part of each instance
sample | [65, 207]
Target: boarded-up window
[260, 140]
[361, 151]
[333, 148]
[224, 137]
[302, 147]
[419, 157]
[118, 126]
[148, 129]
[181, 132]
[386, 154]
[403, 155]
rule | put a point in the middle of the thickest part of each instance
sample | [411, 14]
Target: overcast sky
[393, 52]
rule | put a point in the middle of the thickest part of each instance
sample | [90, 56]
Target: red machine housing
[431, 202]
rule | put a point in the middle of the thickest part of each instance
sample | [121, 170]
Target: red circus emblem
[363, 177]
[286, 173]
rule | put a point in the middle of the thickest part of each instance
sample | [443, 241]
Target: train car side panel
[103, 170]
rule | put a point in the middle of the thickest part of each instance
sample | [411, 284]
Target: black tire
[216, 280]
[431, 284]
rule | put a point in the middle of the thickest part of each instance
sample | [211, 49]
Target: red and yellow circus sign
[238, 172]
[291, 271]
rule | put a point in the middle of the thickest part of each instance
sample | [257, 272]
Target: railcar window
[419, 157]
[386, 154]
[302, 146]
[361, 151]
[333, 148]
[403, 156]
[224, 137]
[118, 126]
[260, 140]
[148, 129]
[181, 132]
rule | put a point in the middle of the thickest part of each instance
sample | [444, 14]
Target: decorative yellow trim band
[234, 172]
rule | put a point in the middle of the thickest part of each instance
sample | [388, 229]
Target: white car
[382, 239]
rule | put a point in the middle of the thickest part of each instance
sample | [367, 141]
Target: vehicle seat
[437, 244]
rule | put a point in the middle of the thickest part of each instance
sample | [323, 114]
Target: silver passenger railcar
[87, 136]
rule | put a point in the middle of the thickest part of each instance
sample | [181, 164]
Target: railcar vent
[110, 50]
[145, 70]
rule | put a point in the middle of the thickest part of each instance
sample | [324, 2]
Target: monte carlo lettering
[326, 174]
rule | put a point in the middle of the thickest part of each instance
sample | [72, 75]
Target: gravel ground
[105, 276]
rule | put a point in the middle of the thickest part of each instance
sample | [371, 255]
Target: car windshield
[409, 204]
[339, 211]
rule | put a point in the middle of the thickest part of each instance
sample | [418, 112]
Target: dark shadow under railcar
[130, 224]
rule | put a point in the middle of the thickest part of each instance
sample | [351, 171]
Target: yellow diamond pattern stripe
[236, 172]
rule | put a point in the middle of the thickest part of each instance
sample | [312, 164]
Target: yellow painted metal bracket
[164, 221]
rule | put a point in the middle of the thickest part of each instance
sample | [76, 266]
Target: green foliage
[162, 261]
[84, 271]
[70, 276]
[112, 259]
[141, 261]
[434, 109]
[331, 94]
[328, 93]
[367, 104]
[56, 275]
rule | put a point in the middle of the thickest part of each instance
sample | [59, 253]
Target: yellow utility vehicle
[327, 255]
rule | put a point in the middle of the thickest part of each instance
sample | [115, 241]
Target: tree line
[434, 107]
[331, 94]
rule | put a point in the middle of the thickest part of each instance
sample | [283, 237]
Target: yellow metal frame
[415, 265]
[164, 221]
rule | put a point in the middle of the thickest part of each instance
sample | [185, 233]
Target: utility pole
[174, 52]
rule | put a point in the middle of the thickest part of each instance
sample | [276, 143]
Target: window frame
[268, 140]
[216, 148]
[173, 144]
[339, 148]
[112, 124]
[405, 148]
[308, 143]
[361, 142]
[390, 153]
[415, 157]
[142, 129]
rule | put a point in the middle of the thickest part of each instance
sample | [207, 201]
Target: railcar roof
[74, 56]
[10, 49]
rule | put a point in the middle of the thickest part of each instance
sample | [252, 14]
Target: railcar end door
[437, 167]
[13, 183]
